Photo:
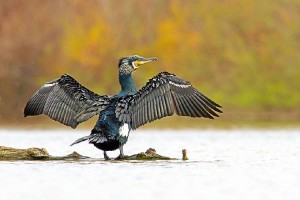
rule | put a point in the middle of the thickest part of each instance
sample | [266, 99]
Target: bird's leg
[121, 153]
[106, 156]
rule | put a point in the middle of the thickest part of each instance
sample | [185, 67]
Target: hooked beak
[144, 60]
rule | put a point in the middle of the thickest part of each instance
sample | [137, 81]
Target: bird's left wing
[66, 101]
[163, 95]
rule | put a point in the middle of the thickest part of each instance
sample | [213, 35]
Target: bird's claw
[120, 157]
[106, 156]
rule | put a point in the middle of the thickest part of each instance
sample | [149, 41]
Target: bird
[67, 101]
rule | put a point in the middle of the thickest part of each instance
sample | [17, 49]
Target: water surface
[224, 164]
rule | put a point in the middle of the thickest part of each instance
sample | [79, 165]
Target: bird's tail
[82, 139]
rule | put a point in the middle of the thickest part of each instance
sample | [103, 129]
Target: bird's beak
[145, 60]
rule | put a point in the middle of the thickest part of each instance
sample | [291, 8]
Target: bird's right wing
[164, 95]
[66, 101]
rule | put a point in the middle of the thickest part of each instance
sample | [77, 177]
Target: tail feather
[82, 139]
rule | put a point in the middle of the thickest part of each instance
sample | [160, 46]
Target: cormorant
[70, 103]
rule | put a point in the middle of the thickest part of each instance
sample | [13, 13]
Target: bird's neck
[127, 84]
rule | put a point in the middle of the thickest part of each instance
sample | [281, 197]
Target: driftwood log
[8, 153]
[150, 154]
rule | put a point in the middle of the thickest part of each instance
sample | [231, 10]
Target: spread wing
[66, 101]
[163, 95]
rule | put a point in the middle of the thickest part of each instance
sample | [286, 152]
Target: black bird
[70, 103]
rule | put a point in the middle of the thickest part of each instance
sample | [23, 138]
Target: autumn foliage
[243, 54]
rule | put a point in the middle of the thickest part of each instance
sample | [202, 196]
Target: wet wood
[150, 154]
[184, 154]
[8, 153]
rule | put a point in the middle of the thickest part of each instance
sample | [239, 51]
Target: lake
[236, 164]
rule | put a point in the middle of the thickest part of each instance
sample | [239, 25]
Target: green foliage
[243, 54]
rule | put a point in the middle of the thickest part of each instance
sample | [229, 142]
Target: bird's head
[129, 64]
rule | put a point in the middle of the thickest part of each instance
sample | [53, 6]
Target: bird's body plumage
[111, 127]
[70, 103]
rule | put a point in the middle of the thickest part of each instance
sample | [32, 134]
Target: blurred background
[242, 54]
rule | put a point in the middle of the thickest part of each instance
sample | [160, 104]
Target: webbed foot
[106, 156]
[120, 157]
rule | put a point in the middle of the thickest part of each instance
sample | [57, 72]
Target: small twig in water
[184, 155]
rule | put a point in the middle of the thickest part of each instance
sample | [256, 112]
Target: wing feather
[184, 106]
[66, 101]
[164, 95]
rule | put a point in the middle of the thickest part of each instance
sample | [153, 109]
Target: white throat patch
[134, 66]
[124, 130]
